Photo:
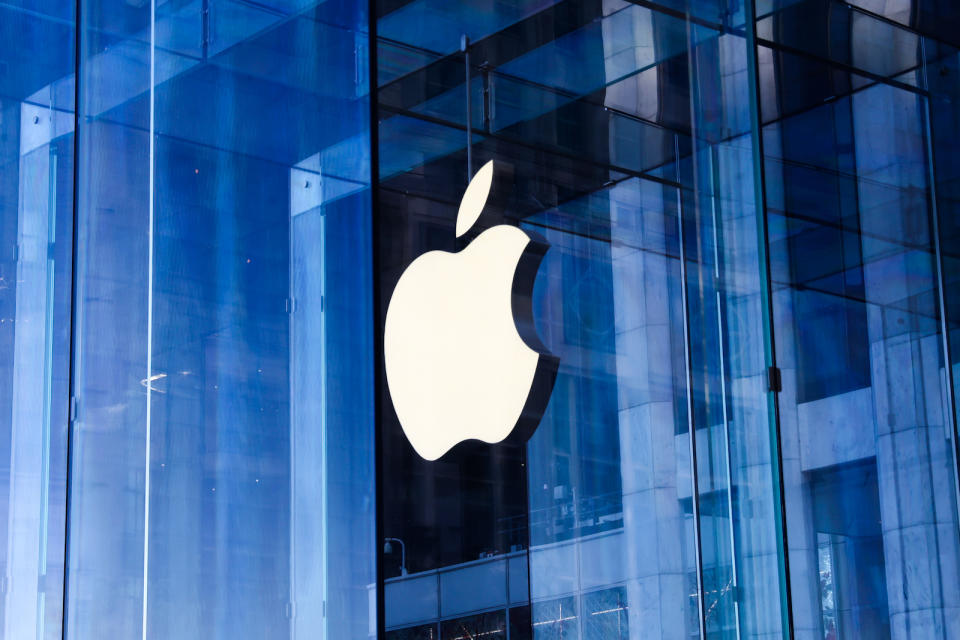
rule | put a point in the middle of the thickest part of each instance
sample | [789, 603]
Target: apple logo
[462, 358]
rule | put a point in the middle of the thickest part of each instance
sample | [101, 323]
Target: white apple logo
[457, 366]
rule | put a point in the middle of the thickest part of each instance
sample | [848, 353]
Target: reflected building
[752, 288]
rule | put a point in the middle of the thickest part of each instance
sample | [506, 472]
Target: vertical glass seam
[766, 294]
[465, 46]
[688, 366]
[376, 308]
[150, 216]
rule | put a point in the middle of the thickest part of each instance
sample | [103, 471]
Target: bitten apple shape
[457, 368]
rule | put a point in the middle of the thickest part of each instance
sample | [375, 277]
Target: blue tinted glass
[702, 443]
[436, 26]
[941, 80]
[590, 528]
[222, 466]
[741, 280]
[869, 444]
[36, 227]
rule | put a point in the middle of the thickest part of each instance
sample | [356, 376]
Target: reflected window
[605, 615]
[555, 619]
[850, 555]
[489, 626]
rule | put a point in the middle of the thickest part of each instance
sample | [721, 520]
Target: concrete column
[913, 459]
[655, 470]
[32, 361]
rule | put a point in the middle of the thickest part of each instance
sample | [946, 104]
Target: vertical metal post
[691, 405]
[204, 29]
[766, 297]
[379, 377]
[73, 349]
[465, 48]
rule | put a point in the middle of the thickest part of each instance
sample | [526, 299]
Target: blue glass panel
[711, 210]
[36, 227]
[222, 470]
[869, 447]
[733, 421]
[550, 77]
[436, 25]
[568, 113]
[940, 77]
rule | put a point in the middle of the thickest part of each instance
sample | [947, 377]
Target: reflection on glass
[828, 590]
[36, 226]
[868, 436]
[681, 268]
[555, 619]
[592, 120]
[752, 287]
[605, 615]
[850, 543]
[483, 625]
[222, 460]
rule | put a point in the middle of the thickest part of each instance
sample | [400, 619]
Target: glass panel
[735, 435]
[482, 625]
[606, 615]
[36, 228]
[555, 619]
[941, 79]
[590, 117]
[692, 209]
[824, 30]
[609, 473]
[222, 469]
[868, 440]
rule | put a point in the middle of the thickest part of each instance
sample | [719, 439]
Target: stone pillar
[913, 458]
[655, 470]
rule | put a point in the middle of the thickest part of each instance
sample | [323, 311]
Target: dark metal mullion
[378, 369]
[204, 29]
[465, 48]
[766, 294]
[73, 357]
[687, 346]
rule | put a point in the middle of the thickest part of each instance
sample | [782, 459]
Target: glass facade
[751, 285]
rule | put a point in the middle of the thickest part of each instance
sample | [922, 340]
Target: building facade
[751, 287]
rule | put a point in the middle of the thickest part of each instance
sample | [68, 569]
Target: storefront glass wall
[37, 58]
[218, 408]
[752, 288]
[787, 314]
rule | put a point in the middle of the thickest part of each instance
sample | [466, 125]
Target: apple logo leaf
[474, 198]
